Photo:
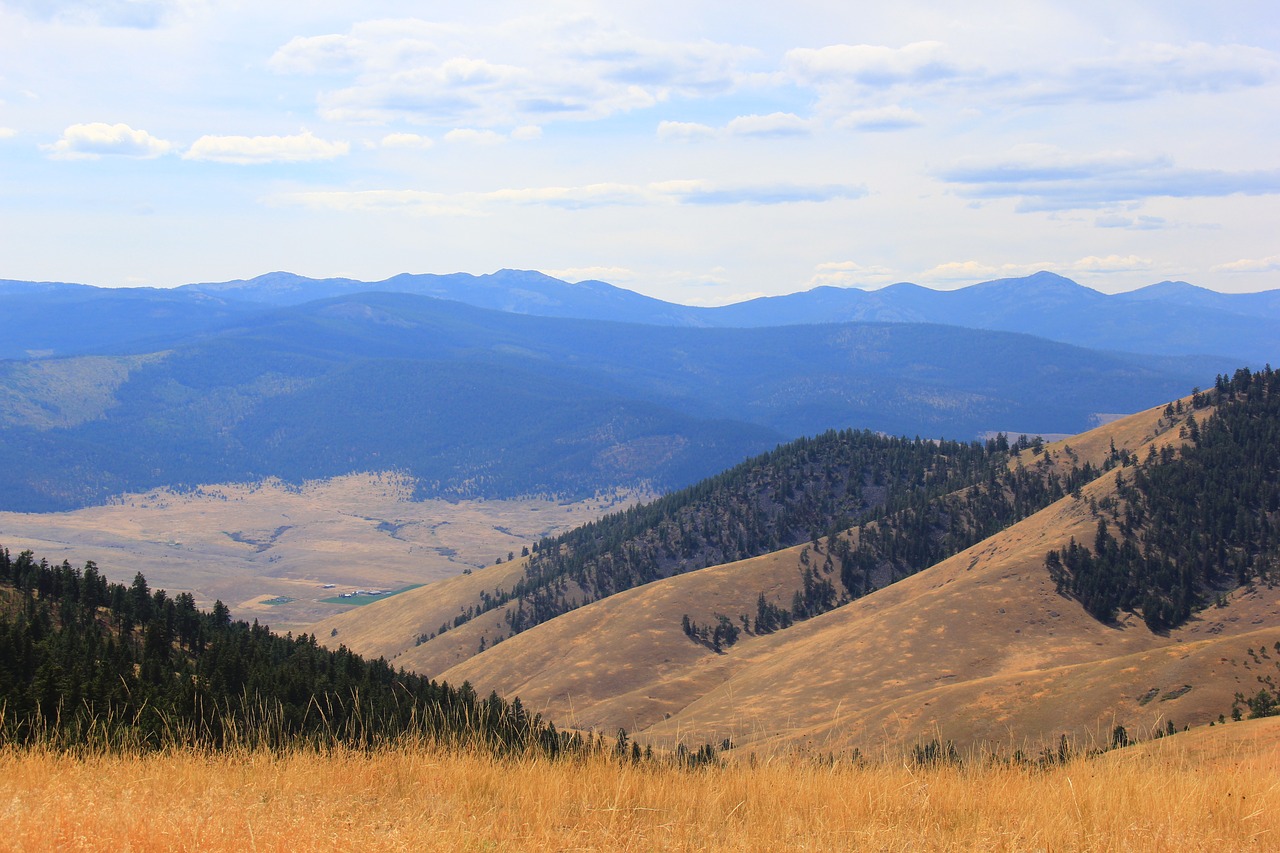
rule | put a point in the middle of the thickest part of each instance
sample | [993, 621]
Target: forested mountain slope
[89, 663]
[472, 402]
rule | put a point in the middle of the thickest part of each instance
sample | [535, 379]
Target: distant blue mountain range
[518, 383]
[1168, 318]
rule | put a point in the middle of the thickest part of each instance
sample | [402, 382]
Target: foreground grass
[426, 798]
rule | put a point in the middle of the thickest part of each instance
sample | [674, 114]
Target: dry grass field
[1214, 789]
[249, 544]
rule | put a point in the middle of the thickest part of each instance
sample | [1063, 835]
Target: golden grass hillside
[1185, 792]
[979, 649]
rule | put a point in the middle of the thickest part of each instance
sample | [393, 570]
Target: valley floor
[1212, 789]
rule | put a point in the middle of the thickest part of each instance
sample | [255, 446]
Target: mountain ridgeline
[472, 402]
[911, 502]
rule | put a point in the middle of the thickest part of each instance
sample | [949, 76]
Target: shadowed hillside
[477, 403]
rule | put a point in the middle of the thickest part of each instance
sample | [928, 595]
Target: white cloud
[1247, 265]
[684, 131]
[406, 140]
[612, 275]
[137, 14]
[1131, 223]
[1044, 177]
[1148, 70]
[870, 65]
[98, 139]
[314, 55]
[253, 150]
[957, 271]
[850, 274]
[1111, 264]
[549, 69]
[527, 133]
[960, 271]
[605, 194]
[7, 133]
[881, 119]
[772, 125]
[370, 47]
[472, 136]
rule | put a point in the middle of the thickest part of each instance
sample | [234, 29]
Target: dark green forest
[1189, 524]
[87, 662]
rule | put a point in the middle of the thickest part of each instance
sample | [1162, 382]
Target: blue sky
[666, 147]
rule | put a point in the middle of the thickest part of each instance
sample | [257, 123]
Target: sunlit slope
[387, 628]
[1209, 748]
[980, 648]
[625, 660]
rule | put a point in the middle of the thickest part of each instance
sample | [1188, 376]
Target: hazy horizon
[866, 289]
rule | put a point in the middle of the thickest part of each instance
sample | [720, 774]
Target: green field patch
[359, 598]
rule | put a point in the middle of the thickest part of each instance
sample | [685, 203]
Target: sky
[699, 152]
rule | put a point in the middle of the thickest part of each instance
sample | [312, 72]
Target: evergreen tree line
[1191, 524]
[925, 531]
[88, 662]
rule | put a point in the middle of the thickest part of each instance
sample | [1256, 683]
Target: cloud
[975, 271]
[7, 133]
[850, 274]
[612, 275]
[1248, 265]
[406, 140]
[98, 139]
[684, 131]
[472, 136]
[583, 197]
[550, 69]
[881, 119]
[315, 55]
[253, 150]
[956, 271]
[772, 125]
[135, 14]
[771, 194]
[1146, 71]
[1131, 223]
[874, 66]
[1111, 264]
[527, 133]
[960, 271]
[370, 47]
[1043, 178]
